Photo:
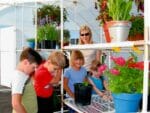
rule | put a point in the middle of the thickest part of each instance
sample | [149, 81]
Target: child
[75, 73]
[23, 95]
[97, 80]
[46, 75]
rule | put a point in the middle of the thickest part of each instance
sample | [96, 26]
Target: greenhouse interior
[74, 56]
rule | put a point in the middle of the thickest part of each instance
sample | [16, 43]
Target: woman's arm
[66, 87]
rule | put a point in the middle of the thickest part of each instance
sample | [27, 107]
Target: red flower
[137, 65]
[119, 60]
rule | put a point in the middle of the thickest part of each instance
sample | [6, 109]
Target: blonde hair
[57, 58]
[94, 65]
[82, 28]
[76, 54]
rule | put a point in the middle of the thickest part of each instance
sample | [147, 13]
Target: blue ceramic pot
[125, 103]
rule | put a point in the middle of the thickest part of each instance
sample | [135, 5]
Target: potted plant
[83, 93]
[115, 15]
[66, 37]
[125, 80]
[48, 36]
[50, 14]
[137, 29]
[120, 25]
[31, 42]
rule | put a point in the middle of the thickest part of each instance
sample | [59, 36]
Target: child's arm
[108, 92]
[100, 93]
[95, 88]
[57, 77]
[66, 87]
[55, 80]
[105, 84]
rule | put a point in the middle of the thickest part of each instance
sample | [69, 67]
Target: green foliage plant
[47, 32]
[119, 9]
[66, 33]
[137, 25]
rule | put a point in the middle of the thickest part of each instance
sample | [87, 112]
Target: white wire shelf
[105, 46]
[98, 105]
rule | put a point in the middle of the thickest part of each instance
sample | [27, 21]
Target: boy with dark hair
[23, 95]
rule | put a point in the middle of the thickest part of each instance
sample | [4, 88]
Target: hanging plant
[50, 14]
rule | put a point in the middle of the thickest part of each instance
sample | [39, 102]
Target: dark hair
[31, 55]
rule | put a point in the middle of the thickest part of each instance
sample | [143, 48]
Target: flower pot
[74, 41]
[125, 103]
[31, 44]
[118, 30]
[136, 37]
[83, 93]
[48, 44]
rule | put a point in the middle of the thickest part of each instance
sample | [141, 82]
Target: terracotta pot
[136, 37]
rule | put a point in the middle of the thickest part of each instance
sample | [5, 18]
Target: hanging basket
[125, 103]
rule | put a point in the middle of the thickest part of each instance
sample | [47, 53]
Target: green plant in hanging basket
[50, 14]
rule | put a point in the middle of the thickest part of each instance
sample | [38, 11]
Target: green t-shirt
[29, 98]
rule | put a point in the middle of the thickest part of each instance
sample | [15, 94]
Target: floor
[5, 100]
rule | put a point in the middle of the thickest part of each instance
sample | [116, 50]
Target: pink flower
[119, 60]
[102, 68]
[114, 71]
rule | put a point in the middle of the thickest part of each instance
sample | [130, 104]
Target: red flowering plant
[126, 76]
[103, 12]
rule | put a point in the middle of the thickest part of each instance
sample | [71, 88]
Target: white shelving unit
[124, 45]
[106, 46]
[103, 46]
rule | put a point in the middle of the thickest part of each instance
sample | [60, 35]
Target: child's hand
[47, 86]
[108, 94]
[105, 97]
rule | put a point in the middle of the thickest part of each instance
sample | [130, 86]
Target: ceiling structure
[80, 12]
